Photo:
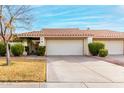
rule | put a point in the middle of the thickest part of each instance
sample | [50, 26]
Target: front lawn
[23, 70]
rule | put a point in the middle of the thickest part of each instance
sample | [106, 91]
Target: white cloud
[55, 14]
[88, 17]
[121, 7]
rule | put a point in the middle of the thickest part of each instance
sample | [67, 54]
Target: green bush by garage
[103, 52]
[95, 47]
[41, 50]
[17, 49]
[2, 49]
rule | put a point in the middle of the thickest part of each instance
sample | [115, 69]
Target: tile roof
[31, 34]
[65, 33]
[73, 32]
[106, 34]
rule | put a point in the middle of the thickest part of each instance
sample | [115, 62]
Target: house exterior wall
[42, 41]
[86, 42]
[115, 46]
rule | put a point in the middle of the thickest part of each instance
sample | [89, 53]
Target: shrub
[17, 49]
[41, 50]
[103, 52]
[95, 47]
[27, 49]
[2, 49]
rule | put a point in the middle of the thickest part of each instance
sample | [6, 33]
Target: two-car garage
[64, 47]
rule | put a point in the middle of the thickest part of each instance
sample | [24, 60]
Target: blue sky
[66, 16]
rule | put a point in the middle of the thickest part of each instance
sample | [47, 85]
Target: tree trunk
[7, 54]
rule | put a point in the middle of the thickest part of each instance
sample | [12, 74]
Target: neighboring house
[73, 41]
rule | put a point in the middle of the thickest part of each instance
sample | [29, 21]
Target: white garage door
[64, 47]
[114, 47]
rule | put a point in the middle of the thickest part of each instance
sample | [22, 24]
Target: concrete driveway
[84, 71]
[116, 59]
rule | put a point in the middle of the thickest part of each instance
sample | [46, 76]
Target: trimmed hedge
[41, 50]
[17, 49]
[103, 52]
[95, 47]
[2, 49]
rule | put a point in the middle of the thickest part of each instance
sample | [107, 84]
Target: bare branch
[24, 10]
[9, 11]
[15, 16]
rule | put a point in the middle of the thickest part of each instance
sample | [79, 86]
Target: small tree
[12, 17]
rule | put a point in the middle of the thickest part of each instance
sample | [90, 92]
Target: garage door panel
[115, 47]
[64, 47]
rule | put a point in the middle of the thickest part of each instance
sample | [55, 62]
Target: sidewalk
[61, 85]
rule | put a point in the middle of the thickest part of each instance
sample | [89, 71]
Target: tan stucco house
[73, 41]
